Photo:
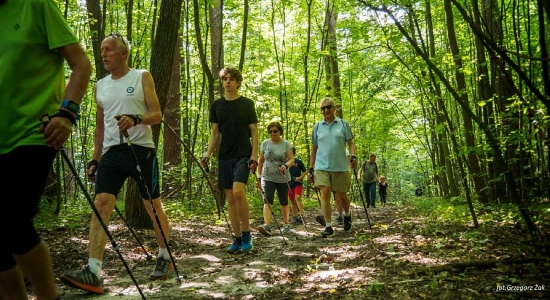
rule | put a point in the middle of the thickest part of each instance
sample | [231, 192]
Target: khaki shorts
[338, 181]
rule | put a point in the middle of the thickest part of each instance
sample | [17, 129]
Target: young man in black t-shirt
[234, 120]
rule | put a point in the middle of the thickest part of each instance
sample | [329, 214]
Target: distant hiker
[328, 164]
[369, 173]
[234, 120]
[129, 94]
[36, 41]
[276, 157]
[383, 190]
[297, 173]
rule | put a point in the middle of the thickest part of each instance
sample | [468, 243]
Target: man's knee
[104, 202]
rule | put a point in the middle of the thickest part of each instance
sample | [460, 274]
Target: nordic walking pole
[354, 200]
[205, 173]
[127, 136]
[269, 206]
[321, 216]
[293, 201]
[149, 257]
[114, 245]
[45, 119]
[362, 199]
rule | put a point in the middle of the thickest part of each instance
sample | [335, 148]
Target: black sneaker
[161, 269]
[298, 220]
[85, 280]
[347, 222]
[321, 220]
[265, 230]
[328, 231]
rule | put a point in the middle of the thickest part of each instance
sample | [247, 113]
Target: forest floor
[405, 256]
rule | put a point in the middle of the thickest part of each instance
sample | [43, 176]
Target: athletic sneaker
[236, 246]
[347, 222]
[340, 220]
[246, 242]
[328, 231]
[161, 269]
[286, 229]
[84, 280]
[321, 220]
[298, 220]
[265, 230]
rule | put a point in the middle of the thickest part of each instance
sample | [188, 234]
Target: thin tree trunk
[473, 163]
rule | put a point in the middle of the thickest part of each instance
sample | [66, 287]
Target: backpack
[375, 166]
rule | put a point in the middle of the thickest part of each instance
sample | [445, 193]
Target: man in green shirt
[36, 41]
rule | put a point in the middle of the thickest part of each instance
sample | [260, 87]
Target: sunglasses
[323, 108]
[273, 131]
[119, 37]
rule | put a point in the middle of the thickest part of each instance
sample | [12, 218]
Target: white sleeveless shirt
[123, 96]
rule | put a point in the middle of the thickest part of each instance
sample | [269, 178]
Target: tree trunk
[333, 75]
[473, 163]
[162, 59]
[216, 40]
[136, 215]
[97, 29]
[172, 115]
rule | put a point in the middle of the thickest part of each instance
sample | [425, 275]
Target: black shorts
[232, 170]
[26, 169]
[119, 163]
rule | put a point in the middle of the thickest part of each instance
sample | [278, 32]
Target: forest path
[405, 256]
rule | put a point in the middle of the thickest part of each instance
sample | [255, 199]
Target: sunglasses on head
[119, 37]
[323, 108]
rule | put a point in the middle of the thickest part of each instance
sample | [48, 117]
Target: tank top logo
[130, 89]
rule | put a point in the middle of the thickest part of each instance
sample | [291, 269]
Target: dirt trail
[390, 262]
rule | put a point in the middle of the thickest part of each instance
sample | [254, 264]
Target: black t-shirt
[233, 119]
[382, 188]
[296, 171]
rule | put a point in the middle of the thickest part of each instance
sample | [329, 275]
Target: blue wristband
[72, 107]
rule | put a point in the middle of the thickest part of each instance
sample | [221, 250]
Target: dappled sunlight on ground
[394, 260]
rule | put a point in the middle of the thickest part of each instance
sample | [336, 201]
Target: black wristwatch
[72, 107]
[139, 118]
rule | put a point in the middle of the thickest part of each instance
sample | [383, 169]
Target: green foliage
[73, 214]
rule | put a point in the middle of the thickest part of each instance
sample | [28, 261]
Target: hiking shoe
[265, 230]
[299, 220]
[246, 241]
[236, 246]
[347, 222]
[85, 280]
[286, 229]
[340, 220]
[161, 269]
[321, 220]
[328, 231]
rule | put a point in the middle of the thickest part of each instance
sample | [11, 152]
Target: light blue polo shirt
[331, 141]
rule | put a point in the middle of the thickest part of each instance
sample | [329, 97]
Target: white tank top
[123, 96]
